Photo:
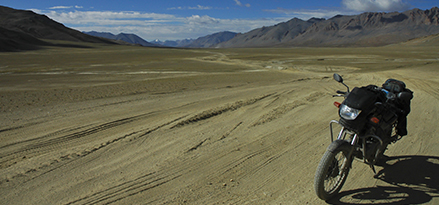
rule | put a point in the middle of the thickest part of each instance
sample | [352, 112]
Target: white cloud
[108, 17]
[60, 7]
[375, 5]
[240, 4]
[201, 20]
[152, 26]
[66, 7]
[198, 7]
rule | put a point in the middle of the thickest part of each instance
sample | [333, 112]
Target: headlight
[348, 113]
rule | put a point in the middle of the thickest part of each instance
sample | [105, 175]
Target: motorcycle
[368, 117]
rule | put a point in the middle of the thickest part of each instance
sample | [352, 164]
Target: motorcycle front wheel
[333, 169]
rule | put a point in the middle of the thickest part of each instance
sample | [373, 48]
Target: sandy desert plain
[96, 124]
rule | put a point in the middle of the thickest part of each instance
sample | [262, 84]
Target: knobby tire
[333, 170]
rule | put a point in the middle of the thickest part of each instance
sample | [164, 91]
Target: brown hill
[426, 41]
[211, 40]
[21, 29]
[367, 29]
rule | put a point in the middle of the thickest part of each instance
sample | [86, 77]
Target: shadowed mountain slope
[27, 24]
[15, 41]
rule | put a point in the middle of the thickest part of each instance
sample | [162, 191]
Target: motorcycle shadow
[410, 179]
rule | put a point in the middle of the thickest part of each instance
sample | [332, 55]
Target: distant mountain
[367, 29]
[201, 42]
[211, 40]
[176, 43]
[129, 38]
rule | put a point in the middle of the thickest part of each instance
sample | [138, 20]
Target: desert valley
[101, 123]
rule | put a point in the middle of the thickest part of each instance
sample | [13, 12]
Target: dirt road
[245, 138]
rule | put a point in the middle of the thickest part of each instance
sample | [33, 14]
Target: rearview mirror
[338, 78]
[405, 96]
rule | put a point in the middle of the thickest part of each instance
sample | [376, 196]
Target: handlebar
[341, 92]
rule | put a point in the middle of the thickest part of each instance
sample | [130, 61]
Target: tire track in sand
[283, 109]
[127, 189]
[156, 179]
[219, 110]
[12, 153]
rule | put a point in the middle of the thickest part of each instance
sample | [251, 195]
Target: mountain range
[21, 30]
[129, 38]
[201, 42]
[366, 29]
[174, 43]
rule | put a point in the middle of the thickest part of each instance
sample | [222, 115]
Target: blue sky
[172, 19]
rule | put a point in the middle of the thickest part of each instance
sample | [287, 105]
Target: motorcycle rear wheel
[333, 170]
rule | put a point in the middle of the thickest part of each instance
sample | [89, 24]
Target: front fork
[353, 141]
[342, 136]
